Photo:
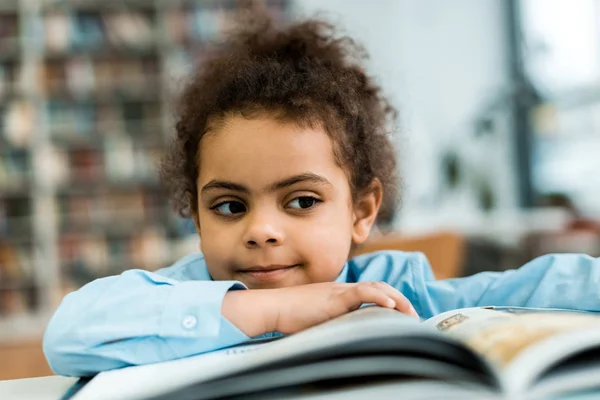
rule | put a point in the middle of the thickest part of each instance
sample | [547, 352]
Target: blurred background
[498, 140]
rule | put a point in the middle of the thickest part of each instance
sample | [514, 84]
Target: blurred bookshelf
[86, 90]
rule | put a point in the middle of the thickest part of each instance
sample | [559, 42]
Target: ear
[365, 211]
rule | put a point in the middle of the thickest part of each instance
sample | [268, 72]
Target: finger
[402, 303]
[360, 294]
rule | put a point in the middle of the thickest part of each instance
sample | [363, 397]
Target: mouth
[267, 272]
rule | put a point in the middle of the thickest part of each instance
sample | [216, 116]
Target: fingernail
[391, 303]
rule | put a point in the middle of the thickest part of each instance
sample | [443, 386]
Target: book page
[139, 382]
[521, 345]
[367, 325]
[502, 336]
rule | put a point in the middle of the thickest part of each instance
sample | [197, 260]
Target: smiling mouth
[267, 272]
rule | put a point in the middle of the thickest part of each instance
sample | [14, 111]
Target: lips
[268, 272]
[267, 268]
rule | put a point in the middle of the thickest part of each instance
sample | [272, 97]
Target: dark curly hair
[301, 73]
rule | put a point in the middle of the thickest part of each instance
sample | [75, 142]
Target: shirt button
[189, 322]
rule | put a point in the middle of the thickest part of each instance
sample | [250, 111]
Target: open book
[473, 352]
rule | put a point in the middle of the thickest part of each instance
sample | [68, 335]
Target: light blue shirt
[142, 317]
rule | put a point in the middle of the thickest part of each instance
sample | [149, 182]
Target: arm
[136, 318]
[141, 317]
[568, 281]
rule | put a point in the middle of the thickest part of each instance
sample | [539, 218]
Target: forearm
[251, 311]
[569, 281]
[137, 318]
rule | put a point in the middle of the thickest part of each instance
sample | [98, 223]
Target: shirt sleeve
[135, 318]
[565, 281]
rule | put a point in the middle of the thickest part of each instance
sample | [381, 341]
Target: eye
[229, 208]
[303, 202]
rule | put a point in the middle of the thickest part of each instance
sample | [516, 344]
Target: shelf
[20, 190]
[113, 227]
[89, 108]
[25, 326]
[7, 146]
[23, 242]
[7, 98]
[204, 4]
[11, 96]
[145, 94]
[18, 284]
[72, 130]
[9, 7]
[87, 187]
[20, 242]
[94, 5]
[22, 220]
[9, 54]
[117, 231]
[107, 53]
[67, 143]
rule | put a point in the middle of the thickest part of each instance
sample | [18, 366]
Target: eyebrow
[302, 178]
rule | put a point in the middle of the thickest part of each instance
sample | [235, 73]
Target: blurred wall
[441, 63]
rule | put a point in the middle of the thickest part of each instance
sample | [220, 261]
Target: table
[44, 388]
[54, 387]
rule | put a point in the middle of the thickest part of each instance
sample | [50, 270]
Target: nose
[263, 229]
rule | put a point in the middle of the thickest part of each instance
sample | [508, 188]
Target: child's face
[275, 209]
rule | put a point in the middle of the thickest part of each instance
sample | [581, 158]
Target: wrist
[252, 311]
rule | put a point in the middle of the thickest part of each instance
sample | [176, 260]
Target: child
[283, 160]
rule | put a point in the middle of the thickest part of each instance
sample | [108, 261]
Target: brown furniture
[444, 250]
[23, 359]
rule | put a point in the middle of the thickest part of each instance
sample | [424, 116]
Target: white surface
[45, 388]
[54, 387]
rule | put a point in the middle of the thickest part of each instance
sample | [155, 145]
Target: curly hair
[301, 73]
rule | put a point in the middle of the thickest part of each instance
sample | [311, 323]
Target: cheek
[217, 261]
[216, 245]
[327, 244]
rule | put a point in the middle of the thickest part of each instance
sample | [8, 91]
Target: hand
[301, 307]
[292, 309]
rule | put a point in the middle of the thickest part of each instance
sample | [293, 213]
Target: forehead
[258, 151]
